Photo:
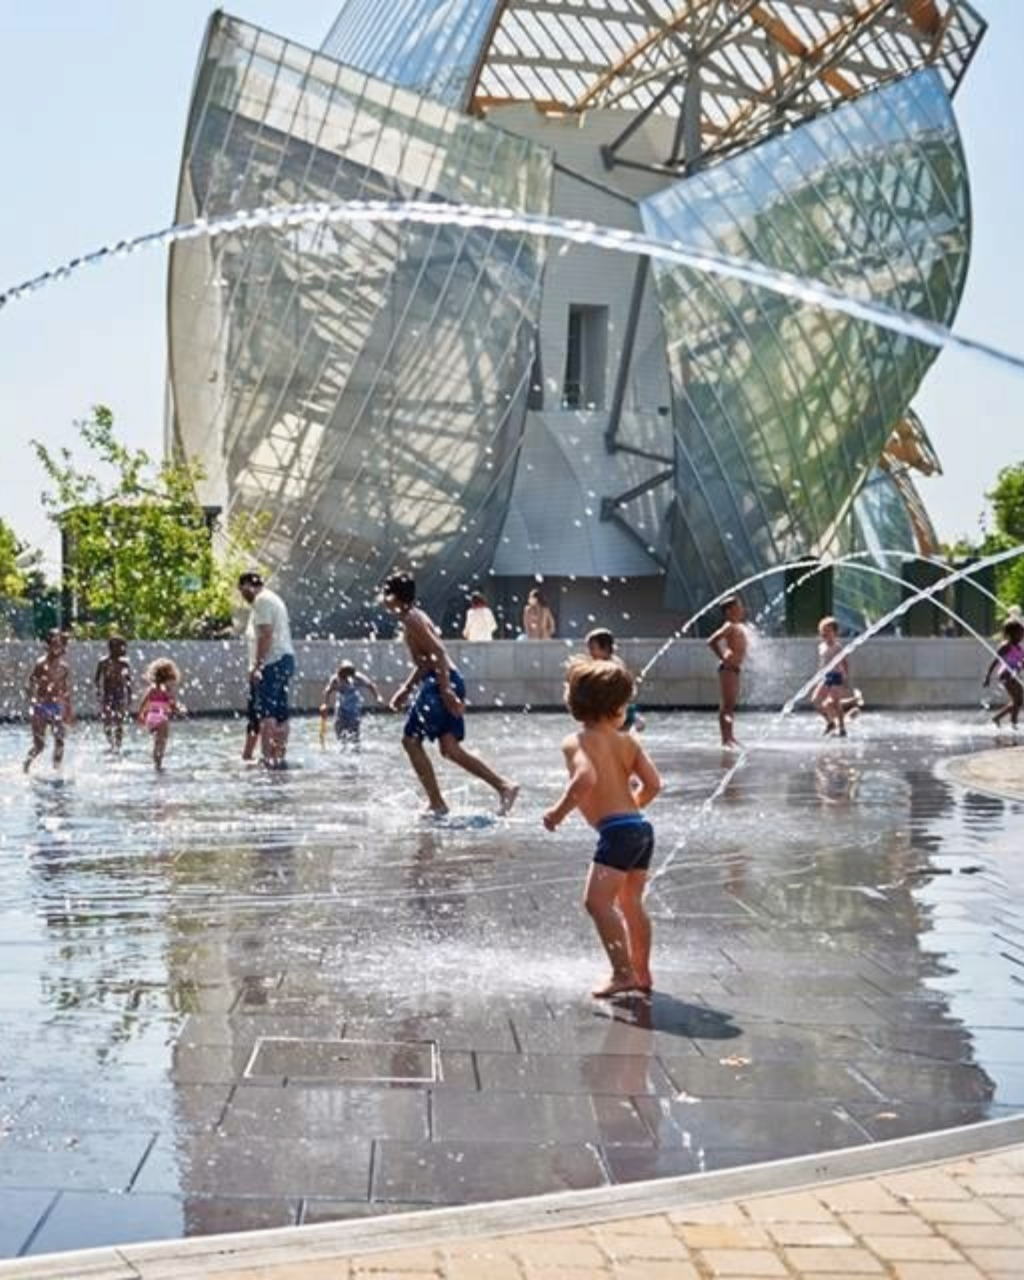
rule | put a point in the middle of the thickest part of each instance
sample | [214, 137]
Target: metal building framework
[728, 72]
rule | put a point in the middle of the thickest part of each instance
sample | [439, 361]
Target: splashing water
[573, 231]
[923, 594]
[732, 590]
[849, 560]
[926, 593]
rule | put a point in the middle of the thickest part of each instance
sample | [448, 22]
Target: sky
[93, 102]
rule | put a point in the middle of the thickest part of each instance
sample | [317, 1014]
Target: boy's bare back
[610, 760]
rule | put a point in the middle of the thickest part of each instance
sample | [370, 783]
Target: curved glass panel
[430, 46]
[358, 391]
[781, 410]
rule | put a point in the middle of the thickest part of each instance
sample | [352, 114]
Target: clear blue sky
[93, 98]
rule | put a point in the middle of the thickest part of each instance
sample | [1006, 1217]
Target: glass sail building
[491, 409]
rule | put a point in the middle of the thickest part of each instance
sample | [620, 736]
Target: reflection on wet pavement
[232, 1000]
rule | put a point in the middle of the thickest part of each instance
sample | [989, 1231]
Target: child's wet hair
[162, 671]
[602, 637]
[596, 689]
[730, 602]
[828, 621]
[401, 587]
[1013, 630]
[346, 668]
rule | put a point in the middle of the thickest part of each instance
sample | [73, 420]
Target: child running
[159, 704]
[601, 646]
[346, 688]
[729, 645]
[1010, 664]
[828, 693]
[113, 682]
[437, 711]
[49, 693]
[611, 779]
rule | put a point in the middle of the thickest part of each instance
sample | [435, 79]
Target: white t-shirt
[480, 623]
[268, 610]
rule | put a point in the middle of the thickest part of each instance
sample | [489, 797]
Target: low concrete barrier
[891, 672]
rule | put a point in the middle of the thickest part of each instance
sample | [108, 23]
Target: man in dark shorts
[271, 665]
[437, 710]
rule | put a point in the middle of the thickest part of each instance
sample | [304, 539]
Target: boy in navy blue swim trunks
[49, 691]
[437, 710]
[611, 779]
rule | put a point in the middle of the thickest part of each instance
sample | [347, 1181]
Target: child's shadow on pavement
[662, 1012]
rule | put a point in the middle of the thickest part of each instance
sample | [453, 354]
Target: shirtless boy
[611, 779]
[49, 692]
[113, 681]
[729, 645]
[437, 710]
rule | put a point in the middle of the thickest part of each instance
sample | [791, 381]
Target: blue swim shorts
[271, 690]
[429, 717]
[833, 679]
[625, 841]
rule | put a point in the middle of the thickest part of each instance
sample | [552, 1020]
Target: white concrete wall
[890, 672]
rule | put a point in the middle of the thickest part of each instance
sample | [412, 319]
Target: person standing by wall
[271, 665]
[481, 623]
[538, 620]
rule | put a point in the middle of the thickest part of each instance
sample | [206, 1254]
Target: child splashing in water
[832, 697]
[611, 778]
[1010, 664]
[347, 687]
[159, 704]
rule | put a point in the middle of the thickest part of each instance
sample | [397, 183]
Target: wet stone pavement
[232, 1000]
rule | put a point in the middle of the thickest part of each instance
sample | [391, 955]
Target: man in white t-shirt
[271, 666]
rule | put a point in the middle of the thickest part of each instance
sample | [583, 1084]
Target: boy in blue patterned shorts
[611, 778]
[437, 711]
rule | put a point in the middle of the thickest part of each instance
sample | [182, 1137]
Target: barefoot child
[437, 711]
[611, 779]
[113, 682]
[49, 692]
[829, 693]
[1010, 662]
[159, 704]
[729, 645]
[346, 688]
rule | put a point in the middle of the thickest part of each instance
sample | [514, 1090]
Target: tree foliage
[1007, 498]
[138, 548]
[12, 580]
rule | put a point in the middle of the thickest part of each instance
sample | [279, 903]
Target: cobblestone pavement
[958, 1221]
[231, 1001]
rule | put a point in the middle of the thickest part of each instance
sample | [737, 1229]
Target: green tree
[12, 581]
[139, 552]
[1007, 498]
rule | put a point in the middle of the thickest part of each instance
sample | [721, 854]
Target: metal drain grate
[366, 1061]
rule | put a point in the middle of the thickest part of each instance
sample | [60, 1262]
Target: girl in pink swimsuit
[159, 704]
[1010, 664]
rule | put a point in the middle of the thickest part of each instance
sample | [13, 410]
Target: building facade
[492, 409]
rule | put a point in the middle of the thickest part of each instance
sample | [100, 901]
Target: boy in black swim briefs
[603, 764]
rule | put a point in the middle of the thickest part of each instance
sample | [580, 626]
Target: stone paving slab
[322, 1009]
[960, 1217]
